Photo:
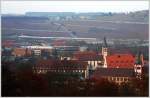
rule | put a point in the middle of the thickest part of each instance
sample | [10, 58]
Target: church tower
[104, 53]
[138, 65]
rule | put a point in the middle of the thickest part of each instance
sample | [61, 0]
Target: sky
[20, 7]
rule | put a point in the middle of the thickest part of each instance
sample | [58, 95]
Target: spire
[105, 42]
[138, 65]
[104, 52]
[139, 58]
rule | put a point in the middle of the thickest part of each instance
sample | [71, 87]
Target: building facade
[19, 52]
[62, 66]
[117, 75]
[93, 59]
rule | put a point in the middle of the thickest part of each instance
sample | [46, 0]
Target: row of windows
[123, 79]
[94, 62]
[40, 70]
[60, 67]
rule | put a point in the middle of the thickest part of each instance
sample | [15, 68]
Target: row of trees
[21, 81]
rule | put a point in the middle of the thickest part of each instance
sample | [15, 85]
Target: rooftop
[120, 61]
[87, 55]
[114, 72]
[61, 64]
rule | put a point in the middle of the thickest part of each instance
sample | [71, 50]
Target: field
[130, 26]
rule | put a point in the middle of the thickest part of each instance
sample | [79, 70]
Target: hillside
[112, 25]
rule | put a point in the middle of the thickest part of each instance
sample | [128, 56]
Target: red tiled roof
[59, 43]
[86, 55]
[120, 61]
[8, 43]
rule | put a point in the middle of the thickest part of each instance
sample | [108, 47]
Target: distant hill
[138, 16]
[49, 14]
[112, 25]
[21, 17]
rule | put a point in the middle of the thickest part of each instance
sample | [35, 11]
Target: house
[32, 50]
[61, 66]
[8, 43]
[19, 52]
[117, 75]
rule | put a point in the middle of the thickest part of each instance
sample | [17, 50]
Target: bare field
[86, 28]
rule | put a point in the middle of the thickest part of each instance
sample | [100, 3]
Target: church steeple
[139, 58]
[105, 42]
[104, 52]
[138, 64]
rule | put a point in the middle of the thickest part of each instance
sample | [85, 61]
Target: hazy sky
[20, 7]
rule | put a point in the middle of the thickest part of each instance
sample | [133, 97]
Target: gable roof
[120, 61]
[61, 64]
[87, 55]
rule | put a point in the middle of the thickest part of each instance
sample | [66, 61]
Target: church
[120, 67]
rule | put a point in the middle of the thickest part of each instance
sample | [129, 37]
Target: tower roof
[139, 58]
[105, 42]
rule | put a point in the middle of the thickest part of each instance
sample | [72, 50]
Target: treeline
[19, 80]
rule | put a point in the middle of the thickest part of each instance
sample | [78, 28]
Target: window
[126, 79]
[117, 78]
[114, 78]
[121, 79]
[138, 67]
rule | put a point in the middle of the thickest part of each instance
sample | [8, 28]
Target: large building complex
[113, 66]
[93, 59]
[62, 66]
[116, 75]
